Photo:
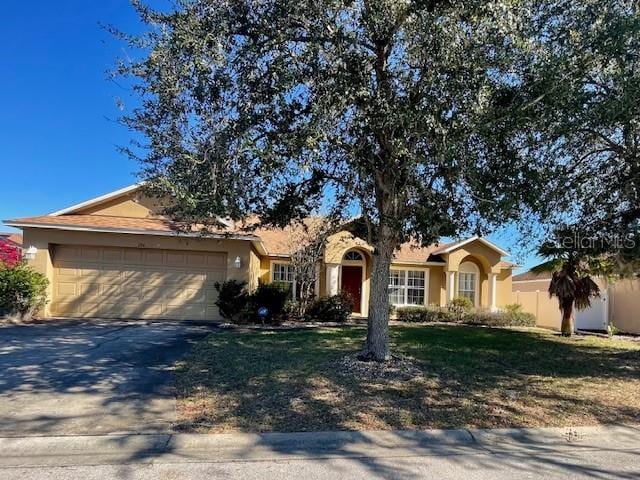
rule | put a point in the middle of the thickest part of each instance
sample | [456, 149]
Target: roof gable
[97, 200]
[450, 247]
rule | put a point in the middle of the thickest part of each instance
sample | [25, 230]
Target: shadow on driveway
[91, 377]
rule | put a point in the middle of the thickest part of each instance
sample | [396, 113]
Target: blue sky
[58, 129]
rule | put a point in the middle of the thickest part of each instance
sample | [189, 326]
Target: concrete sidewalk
[69, 451]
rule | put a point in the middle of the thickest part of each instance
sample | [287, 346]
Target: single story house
[116, 256]
[618, 304]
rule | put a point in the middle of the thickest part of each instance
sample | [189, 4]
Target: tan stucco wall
[504, 293]
[484, 256]
[437, 285]
[44, 239]
[254, 270]
[340, 242]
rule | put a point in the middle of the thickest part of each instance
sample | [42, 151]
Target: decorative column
[333, 270]
[451, 285]
[492, 291]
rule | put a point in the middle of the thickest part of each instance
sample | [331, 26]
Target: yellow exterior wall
[254, 270]
[487, 258]
[340, 242]
[504, 293]
[133, 205]
[436, 285]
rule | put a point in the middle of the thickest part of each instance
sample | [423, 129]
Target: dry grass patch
[471, 377]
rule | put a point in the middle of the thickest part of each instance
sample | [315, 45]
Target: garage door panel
[92, 253]
[67, 289]
[153, 257]
[113, 282]
[217, 261]
[113, 254]
[133, 256]
[215, 276]
[64, 252]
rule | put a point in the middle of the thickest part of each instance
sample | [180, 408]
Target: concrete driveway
[91, 377]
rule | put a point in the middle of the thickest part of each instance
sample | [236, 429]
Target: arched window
[353, 255]
[468, 281]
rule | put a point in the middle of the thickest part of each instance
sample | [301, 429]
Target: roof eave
[161, 233]
[455, 246]
[97, 200]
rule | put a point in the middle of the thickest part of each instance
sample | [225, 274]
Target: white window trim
[272, 264]
[471, 268]
[406, 285]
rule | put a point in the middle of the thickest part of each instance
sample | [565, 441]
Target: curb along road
[118, 449]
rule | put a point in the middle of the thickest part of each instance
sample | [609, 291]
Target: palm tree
[571, 281]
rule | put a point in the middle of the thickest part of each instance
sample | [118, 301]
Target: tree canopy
[586, 88]
[414, 114]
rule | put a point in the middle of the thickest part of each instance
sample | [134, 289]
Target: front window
[407, 287]
[282, 273]
[467, 286]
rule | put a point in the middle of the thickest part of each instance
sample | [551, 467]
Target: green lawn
[473, 377]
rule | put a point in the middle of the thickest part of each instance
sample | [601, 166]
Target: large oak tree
[401, 111]
[584, 93]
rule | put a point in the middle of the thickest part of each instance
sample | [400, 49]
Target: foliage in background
[336, 308]
[22, 290]
[583, 98]
[10, 255]
[399, 111]
[512, 316]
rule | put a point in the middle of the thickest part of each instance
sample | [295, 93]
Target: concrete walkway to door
[63, 377]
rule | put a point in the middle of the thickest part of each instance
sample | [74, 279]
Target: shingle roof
[108, 223]
[12, 238]
[411, 252]
[277, 241]
[529, 275]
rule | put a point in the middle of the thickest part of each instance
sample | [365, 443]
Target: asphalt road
[591, 465]
[609, 452]
[92, 377]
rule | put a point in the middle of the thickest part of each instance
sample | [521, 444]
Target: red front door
[352, 284]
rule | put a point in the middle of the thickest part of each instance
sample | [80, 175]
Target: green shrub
[336, 308]
[424, 314]
[510, 317]
[22, 290]
[518, 317]
[232, 299]
[460, 306]
[513, 316]
[274, 297]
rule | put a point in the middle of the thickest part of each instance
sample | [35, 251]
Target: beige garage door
[116, 282]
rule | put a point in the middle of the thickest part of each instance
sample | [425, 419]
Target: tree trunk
[567, 319]
[376, 346]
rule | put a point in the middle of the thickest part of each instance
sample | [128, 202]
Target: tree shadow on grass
[473, 377]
